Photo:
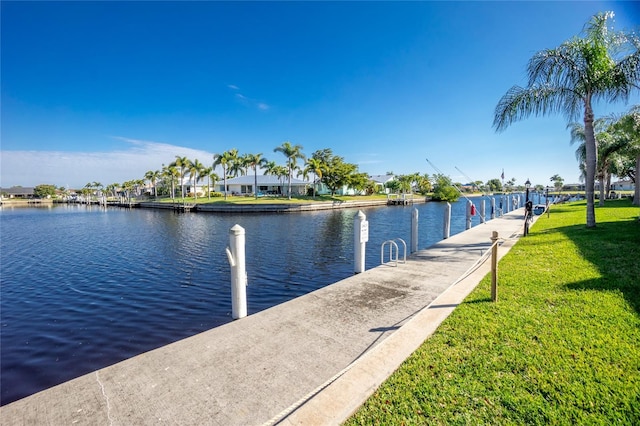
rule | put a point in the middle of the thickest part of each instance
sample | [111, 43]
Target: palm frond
[519, 103]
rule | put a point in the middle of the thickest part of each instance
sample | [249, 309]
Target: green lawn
[562, 345]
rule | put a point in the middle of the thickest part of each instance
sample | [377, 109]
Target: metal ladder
[393, 261]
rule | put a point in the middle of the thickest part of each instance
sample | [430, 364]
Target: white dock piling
[447, 222]
[414, 230]
[237, 261]
[360, 238]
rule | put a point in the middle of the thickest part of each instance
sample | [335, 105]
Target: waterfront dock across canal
[309, 361]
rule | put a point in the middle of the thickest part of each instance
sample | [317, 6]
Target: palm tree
[269, 167]
[152, 176]
[315, 166]
[557, 182]
[281, 172]
[196, 172]
[226, 160]
[606, 147]
[171, 172]
[235, 167]
[292, 152]
[207, 171]
[182, 165]
[570, 77]
[627, 129]
[254, 161]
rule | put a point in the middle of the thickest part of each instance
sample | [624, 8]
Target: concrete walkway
[310, 361]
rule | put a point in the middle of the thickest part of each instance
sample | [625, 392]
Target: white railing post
[447, 222]
[360, 238]
[414, 230]
[236, 255]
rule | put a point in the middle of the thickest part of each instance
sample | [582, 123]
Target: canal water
[83, 287]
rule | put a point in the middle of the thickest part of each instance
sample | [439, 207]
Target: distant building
[17, 192]
[381, 182]
[623, 185]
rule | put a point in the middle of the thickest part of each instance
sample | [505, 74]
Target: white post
[493, 208]
[414, 230]
[482, 211]
[236, 255]
[469, 204]
[360, 238]
[447, 221]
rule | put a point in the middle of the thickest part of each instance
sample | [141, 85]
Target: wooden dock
[399, 199]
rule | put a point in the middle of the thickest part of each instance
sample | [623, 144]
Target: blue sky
[103, 92]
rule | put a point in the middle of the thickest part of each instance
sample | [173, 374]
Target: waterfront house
[623, 185]
[22, 192]
[267, 185]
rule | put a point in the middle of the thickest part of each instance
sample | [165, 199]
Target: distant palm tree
[236, 167]
[254, 161]
[269, 167]
[293, 153]
[182, 164]
[206, 171]
[314, 166]
[152, 176]
[171, 172]
[606, 147]
[572, 76]
[627, 129]
[195, 172]
[225, 160]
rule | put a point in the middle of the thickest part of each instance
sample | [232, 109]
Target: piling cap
[236, 230]
[361, 215]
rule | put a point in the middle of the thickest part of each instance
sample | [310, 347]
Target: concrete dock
[309, 361]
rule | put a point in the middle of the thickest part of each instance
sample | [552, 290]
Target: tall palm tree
[254, 161]
[195, 173]
[293, 153]
[171, 172]
[207, 171]
[225, 160]
[570, 77]
[182, 164]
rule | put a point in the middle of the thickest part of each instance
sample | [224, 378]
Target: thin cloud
[75, 169]
[247, 101]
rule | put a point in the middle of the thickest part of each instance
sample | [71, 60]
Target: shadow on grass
[614, 248]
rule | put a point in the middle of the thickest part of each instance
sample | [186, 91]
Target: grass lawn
[561, 346]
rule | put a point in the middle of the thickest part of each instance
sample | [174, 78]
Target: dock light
[527, 185]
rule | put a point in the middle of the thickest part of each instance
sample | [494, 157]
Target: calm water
[84, 287]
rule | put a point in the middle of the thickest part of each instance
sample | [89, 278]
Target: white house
[267, 185]
[381, 182]
[623, 185]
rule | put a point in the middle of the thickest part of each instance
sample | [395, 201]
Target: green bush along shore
[561, 345]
